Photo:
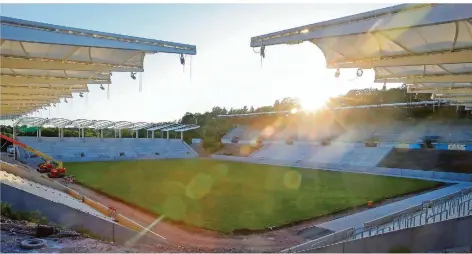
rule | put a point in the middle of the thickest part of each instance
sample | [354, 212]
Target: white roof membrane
[65, 60]
[404, 31]
[408, 43]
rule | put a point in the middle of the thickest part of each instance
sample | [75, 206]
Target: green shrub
[88, 233]
[6, 210]
[34, 217]
[211, 145]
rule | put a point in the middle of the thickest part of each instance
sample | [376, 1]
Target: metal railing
[451, 206]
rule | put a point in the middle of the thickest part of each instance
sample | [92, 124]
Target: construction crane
[54, 168]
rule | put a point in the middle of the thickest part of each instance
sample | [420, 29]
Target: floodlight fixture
[360, 72]
[337, 73]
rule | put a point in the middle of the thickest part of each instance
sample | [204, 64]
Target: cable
[262, 54]
[190, 67]
[182, 62]
[140, 81]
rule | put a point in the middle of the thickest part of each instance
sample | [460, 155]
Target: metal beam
[80, 123]
[176, 127]
[460, 78]
[56, 122]
[162, 126]
[47, 86]
[16, 112]
[16, 62]
[188, 128]
[19, 79]
[23, 107]
[36, 32]
[390, 18]
[26, 102]
[139, 126]
[455, 98]
[122, 125]
[30, 97]
[41, 90]
[433, 58]
[441, 90]
[20, 107]
[102, 124]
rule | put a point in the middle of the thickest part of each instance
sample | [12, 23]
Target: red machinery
[54, 168]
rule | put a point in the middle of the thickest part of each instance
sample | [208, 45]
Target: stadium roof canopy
[408, 43]
[42, 63]
[103, 124]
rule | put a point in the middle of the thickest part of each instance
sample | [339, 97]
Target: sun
[313, 103]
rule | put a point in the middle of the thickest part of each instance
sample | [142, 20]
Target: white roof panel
[38, 55]
[399, 30]
[403, 31]
[408, 43]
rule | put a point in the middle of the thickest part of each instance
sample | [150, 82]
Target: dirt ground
[13, 232]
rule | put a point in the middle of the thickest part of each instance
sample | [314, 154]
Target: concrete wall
[31, 175]
[68, 217]
[44, 180]
[431, 237]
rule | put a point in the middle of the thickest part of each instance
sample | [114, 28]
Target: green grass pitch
[228, 196]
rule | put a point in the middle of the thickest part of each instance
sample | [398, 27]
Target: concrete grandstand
[76, 149]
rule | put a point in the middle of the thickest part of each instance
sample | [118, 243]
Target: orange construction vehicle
[54, 168]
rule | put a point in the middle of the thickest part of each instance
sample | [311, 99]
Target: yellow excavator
[54, 168]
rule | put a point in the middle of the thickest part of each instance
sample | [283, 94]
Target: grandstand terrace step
[429, 160]
[95, 149]
[353, 154]
[241, 150]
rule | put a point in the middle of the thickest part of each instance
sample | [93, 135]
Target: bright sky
[225, 71]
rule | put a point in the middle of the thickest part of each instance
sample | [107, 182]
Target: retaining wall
[68, 217]
[32, 175]
[43, 180]
[431, 237]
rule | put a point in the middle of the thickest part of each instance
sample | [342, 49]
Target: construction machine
[54, 168]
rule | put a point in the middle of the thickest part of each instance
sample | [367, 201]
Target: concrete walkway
[358, 220]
